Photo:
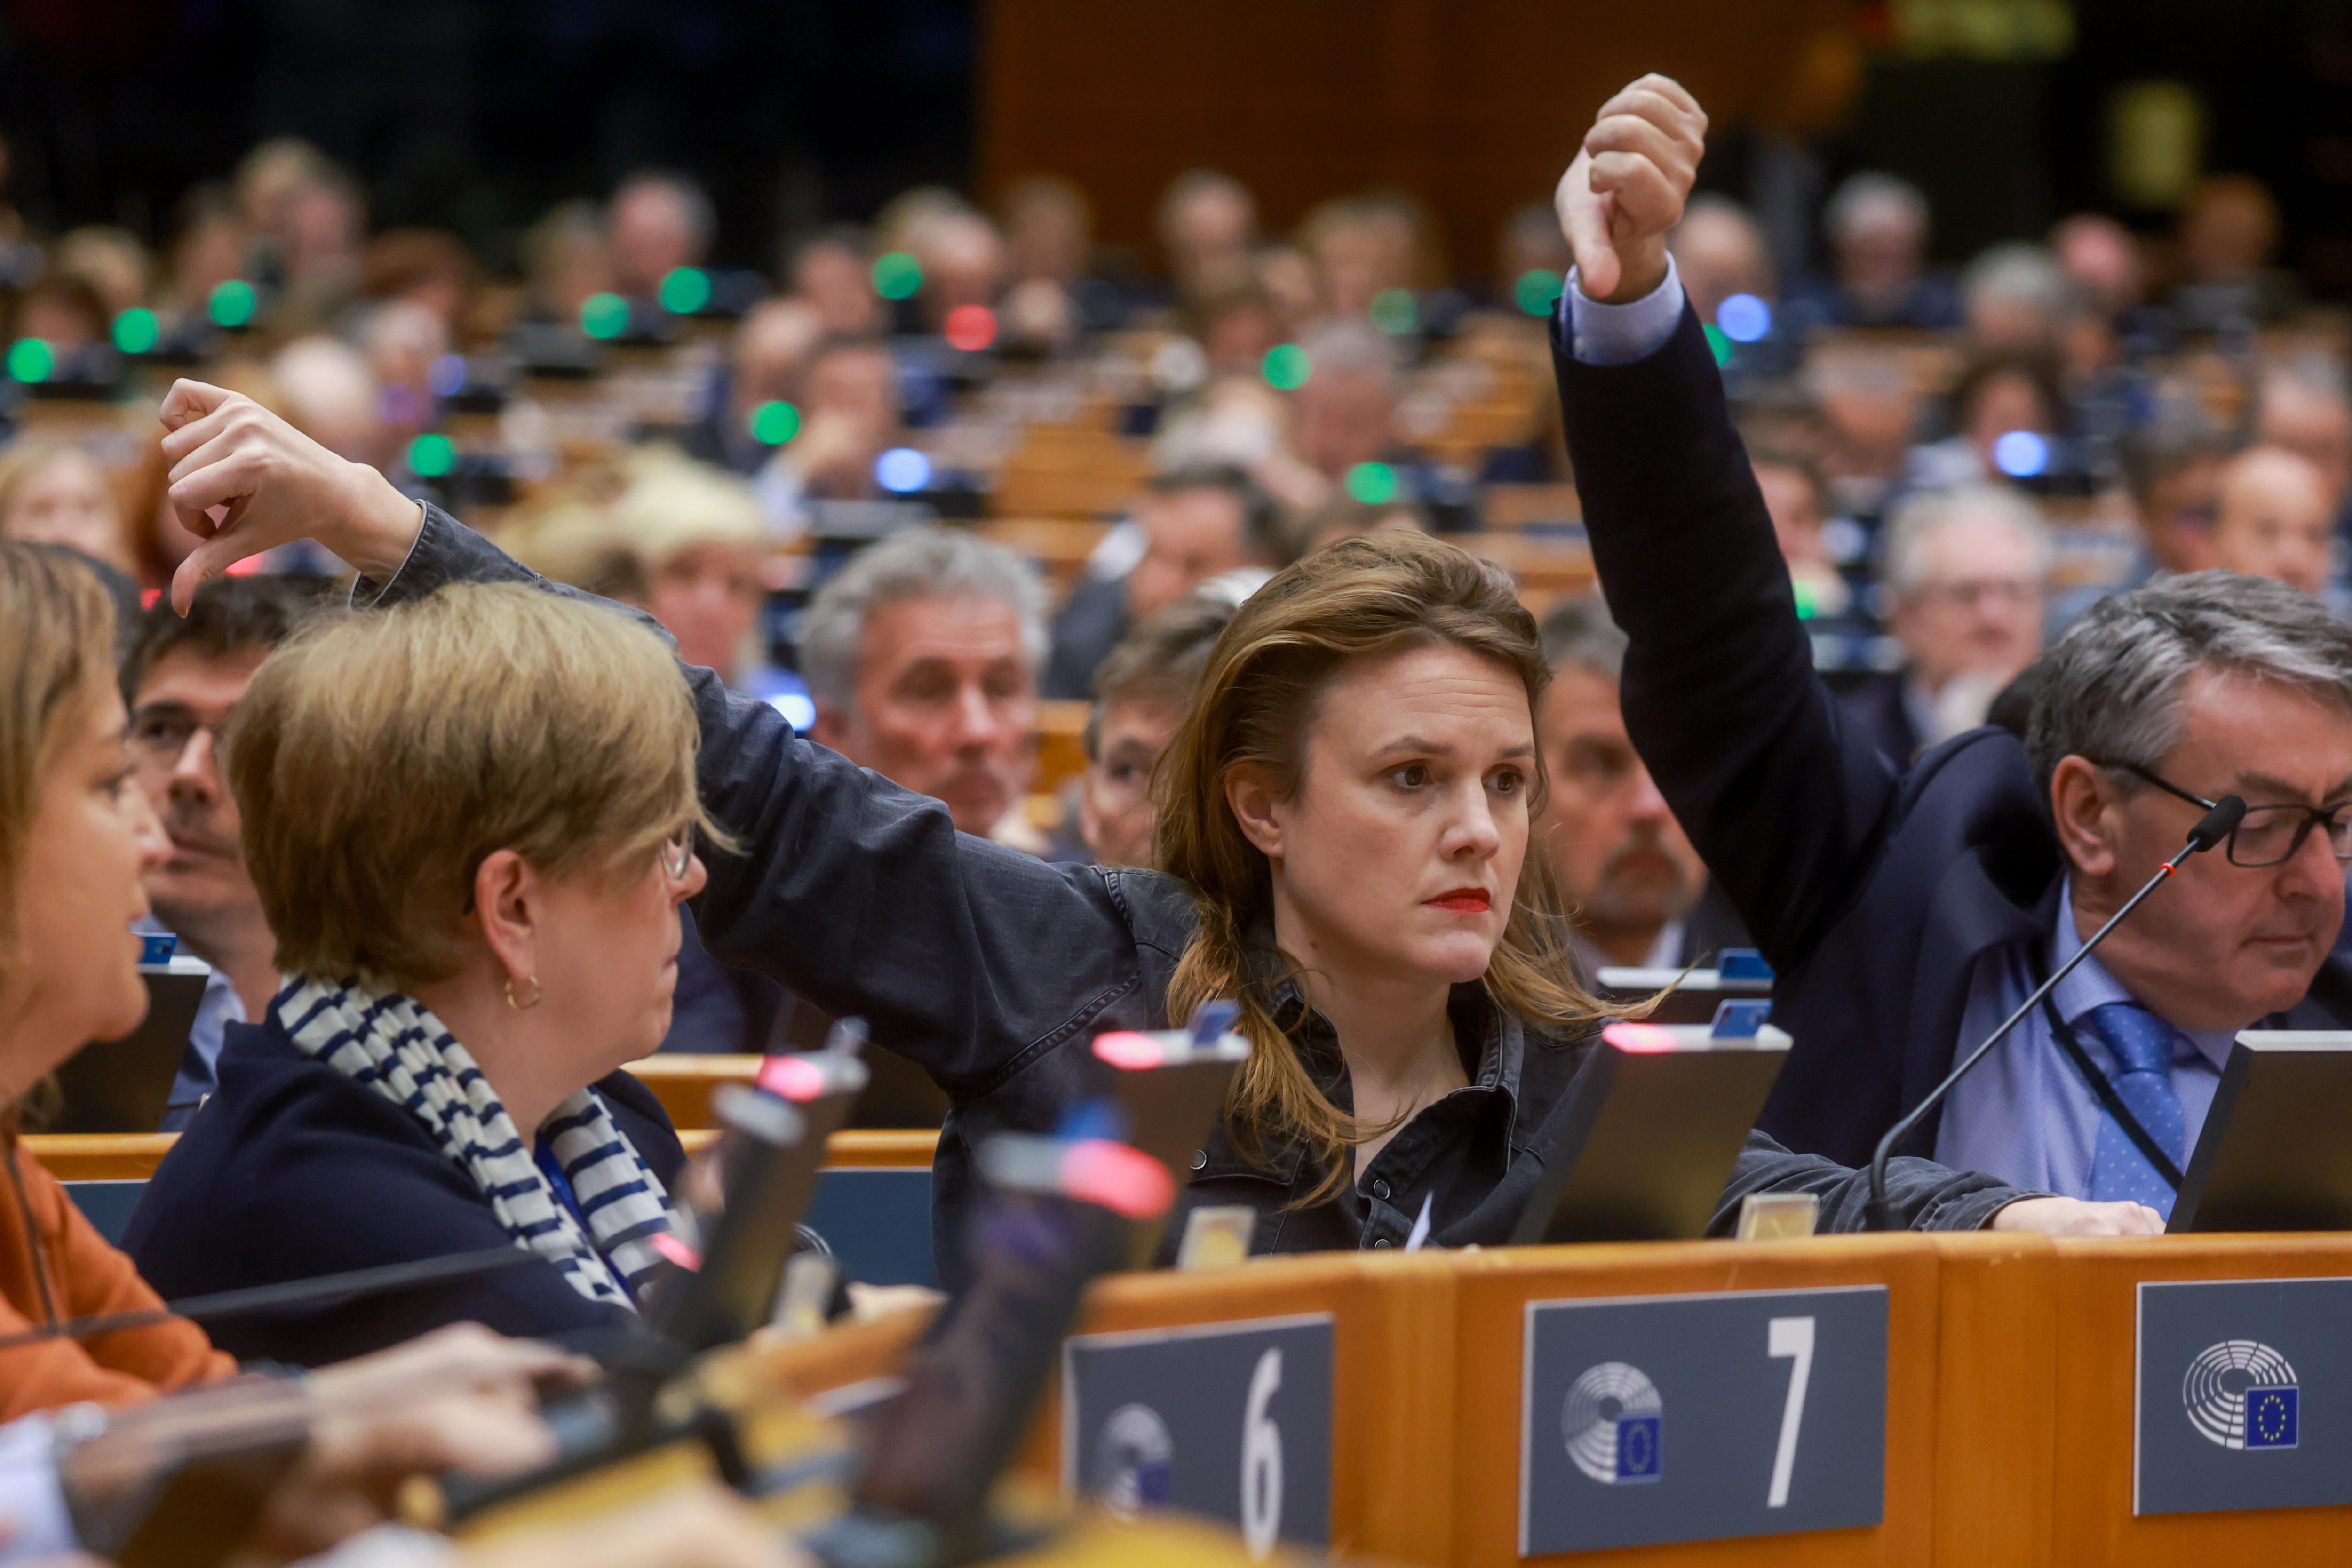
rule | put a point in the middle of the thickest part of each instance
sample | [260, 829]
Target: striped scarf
[400, 1050]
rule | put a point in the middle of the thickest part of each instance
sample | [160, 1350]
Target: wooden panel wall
[1473, 106]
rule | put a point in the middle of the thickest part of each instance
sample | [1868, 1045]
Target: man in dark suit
[1907, 914]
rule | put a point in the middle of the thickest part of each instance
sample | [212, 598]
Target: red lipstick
[1464, 901]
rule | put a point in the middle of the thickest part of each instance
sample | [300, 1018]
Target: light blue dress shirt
[2025, 1115]
[199, 1073]
[1619, 334]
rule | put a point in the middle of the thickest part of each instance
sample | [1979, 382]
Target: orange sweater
[87, 1275]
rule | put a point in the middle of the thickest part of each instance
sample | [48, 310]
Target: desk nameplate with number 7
[1231, 1421]
[1702, 1417]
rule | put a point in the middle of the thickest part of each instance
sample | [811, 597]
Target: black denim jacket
[993, 970]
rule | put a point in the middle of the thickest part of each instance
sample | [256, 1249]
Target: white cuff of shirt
[1619, 334]
[32, 1503]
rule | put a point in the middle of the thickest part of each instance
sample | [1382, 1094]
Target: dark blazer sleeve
[1922, 1195]
[970, 958]
[1721, 695]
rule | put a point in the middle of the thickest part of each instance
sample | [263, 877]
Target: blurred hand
[1627, 188]
[2073, 1217]
[699, 1527]
[458, 1355]
[460, 1398]
[243, 480]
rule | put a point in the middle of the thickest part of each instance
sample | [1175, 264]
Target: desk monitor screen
[125, 1085]
[764, 1173]
[1651, 1129]
[2276, 1150]
[1171, 1087]
[1691, 996]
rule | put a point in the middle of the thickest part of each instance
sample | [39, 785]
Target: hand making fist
[1627, 188]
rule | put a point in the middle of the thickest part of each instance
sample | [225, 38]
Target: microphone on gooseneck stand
[2211, 829]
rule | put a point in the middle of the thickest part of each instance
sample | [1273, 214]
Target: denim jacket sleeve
[969, 958]
[1920, 1193]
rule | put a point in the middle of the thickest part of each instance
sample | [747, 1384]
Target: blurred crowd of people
[827, 480]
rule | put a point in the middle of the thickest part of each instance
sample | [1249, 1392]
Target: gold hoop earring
[523, 1006]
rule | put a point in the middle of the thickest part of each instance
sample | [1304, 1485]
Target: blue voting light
[446, 375]
[2022, 455]
[902, 471]
[1744, 318]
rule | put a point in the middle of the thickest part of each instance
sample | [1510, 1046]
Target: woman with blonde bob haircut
[470, 820]
[1344, 834]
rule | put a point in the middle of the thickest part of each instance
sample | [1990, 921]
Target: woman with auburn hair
[1344, 829]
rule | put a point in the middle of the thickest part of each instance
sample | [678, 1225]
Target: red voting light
[1125, 1180]
[794, 1077]
[1640, 1038]
[667, 1244]
[1126, 1048]
[972, 328]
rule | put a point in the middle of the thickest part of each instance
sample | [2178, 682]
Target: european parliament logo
[1614, 1425]
[2242, 1394]
[1135, 1462]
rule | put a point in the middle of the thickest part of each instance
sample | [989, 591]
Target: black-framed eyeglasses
[2267, 834]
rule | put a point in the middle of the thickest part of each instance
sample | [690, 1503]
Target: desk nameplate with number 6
[1231, 1421]
[1702, 1417]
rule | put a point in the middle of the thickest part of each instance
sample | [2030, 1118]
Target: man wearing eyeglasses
[182, 680]
[1908, 910]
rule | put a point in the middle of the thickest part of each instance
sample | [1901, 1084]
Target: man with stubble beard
[922, 655]
[1639, 891]
[182, 680]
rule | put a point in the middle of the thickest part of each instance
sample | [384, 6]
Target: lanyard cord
[32, 1238]
[2114, 1103]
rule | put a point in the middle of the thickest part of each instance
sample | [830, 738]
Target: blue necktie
[2140, 1045]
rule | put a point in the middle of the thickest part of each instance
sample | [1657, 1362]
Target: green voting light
[1287, 367]
[135, 331]
[1395, 311]
[897, 275]
[29, 360]
[1720, 342]
[1538, 290]
[684, 290]
[232, 303]
[1374, 484]
[603, 315]
[774, 423]
[432, 456]
[1809, 600]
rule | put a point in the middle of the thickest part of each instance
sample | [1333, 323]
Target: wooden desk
[133, 1156]
[2096, 1302]
[684, 1082]
[1061, 743]
[1393, 1407]
[1492, 1293]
